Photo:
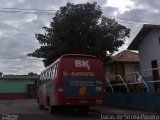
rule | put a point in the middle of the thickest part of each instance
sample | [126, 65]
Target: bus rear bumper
[82, 102]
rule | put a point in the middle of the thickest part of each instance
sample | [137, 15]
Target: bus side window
[50, 72]
[55, 71]
[40, 82]
[46, 75]
[42, 78]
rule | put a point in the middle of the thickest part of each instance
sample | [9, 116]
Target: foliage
[31, 73]
[80, 29]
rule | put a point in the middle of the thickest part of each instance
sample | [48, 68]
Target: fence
[138, 92]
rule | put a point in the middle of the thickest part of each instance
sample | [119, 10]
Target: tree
[1, 74]
[31, 73]
[80, 29]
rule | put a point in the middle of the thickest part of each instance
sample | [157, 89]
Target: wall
[129, 67]
[149, 49]
[14, 89]
[110, 69]
[132, 68]
[138, 101]
[14, 86]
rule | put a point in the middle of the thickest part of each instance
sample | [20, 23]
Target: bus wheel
[83, 109]
[41, 106]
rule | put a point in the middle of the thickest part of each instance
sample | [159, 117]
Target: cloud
[153, 4]
[110, 11]
[122, 5]
[17, 31]
[143, 12]
[17, 38]
[10, 66]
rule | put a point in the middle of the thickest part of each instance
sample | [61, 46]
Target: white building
[147, 42]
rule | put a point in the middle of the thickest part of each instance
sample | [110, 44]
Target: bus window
[40, 80]
[43, 77]
[47, 75]
[51, 74]
[40, 77]
[55, 72]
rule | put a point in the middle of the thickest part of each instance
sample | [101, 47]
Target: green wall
[14, 86]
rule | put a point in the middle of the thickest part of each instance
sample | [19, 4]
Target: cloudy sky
[18, 26]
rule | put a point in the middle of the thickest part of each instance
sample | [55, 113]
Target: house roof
[142, 33]
[20, 77]
[126, 56]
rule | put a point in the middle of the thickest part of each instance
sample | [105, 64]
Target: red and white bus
[74, 81]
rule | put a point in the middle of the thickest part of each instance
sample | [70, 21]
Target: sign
[82, 63]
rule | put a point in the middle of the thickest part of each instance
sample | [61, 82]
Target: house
[18, 86]
[147, 42]
[123, 62]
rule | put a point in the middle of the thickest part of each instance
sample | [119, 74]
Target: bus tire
[83, 109]
[41, 106]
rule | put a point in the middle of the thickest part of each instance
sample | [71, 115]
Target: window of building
[155, 75]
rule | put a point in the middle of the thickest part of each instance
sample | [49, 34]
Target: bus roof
[78, 55]
[69, 55]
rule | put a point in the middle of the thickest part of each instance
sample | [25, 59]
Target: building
[147, 42]
[18, 86]
[123, 62]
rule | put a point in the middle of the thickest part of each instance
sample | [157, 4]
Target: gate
[31, 91]
[139, 91]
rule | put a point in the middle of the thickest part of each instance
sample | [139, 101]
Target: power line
[131, 20]
[28, 9]
[51, 11]
[3, 57]
[24, 12]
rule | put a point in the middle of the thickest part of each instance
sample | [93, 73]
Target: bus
[73, 81]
